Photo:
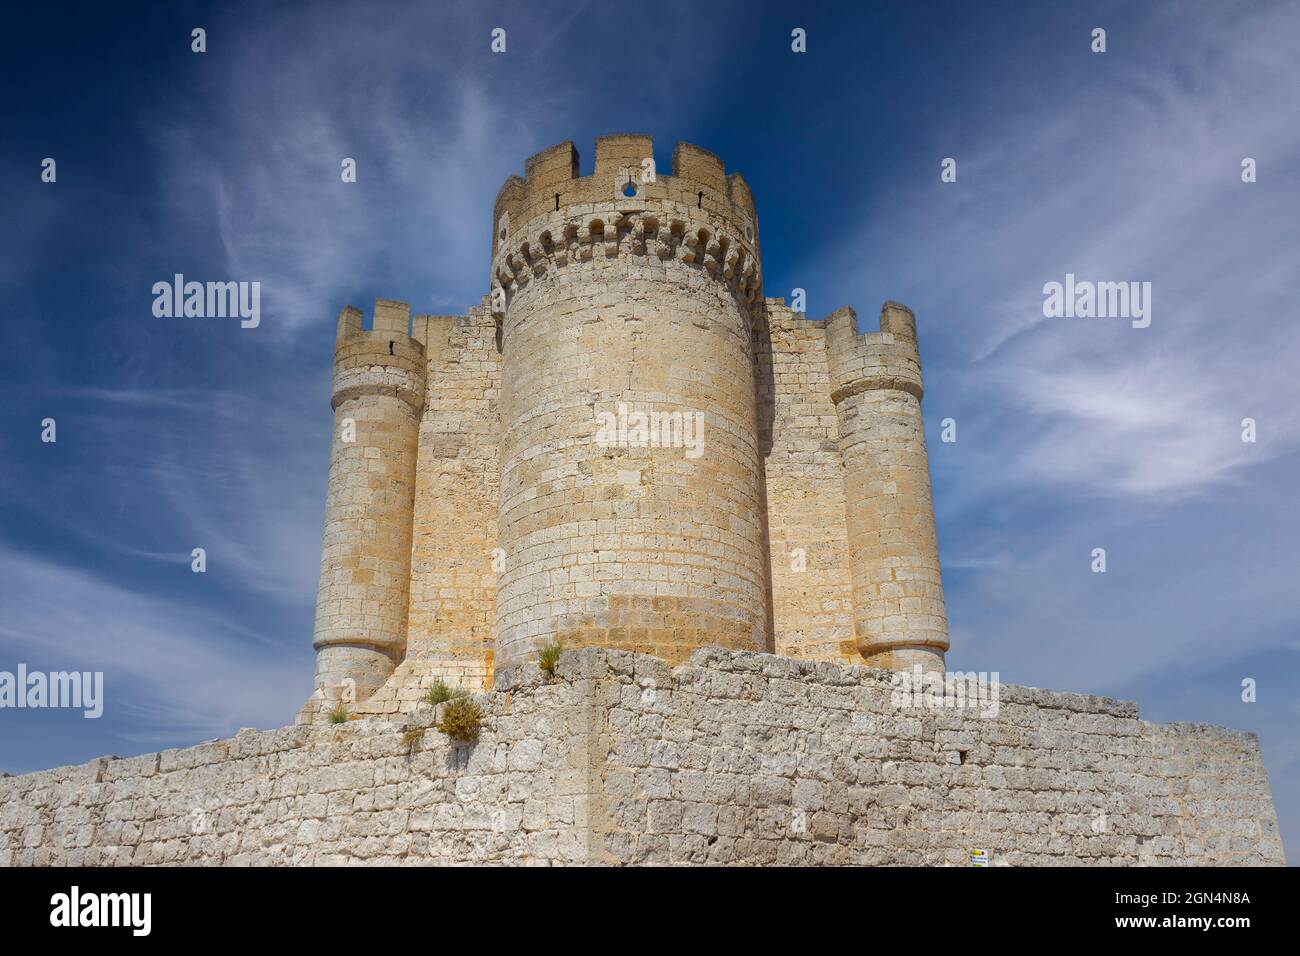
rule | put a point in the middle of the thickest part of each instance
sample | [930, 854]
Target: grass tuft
[440, 693]
[461, 719]
[549, 656]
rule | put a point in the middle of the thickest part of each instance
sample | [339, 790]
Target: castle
[475, 513]
[721, 513]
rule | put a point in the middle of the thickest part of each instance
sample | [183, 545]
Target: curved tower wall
[361, 606]
[898, 608]
[614, 306]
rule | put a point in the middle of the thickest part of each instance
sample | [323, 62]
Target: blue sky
[1072, 434]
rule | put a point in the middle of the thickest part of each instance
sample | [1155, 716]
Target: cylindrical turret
[898, 608]
[361, 606]
[630, 506]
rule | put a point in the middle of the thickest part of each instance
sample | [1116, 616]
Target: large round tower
[365, 572]
[630, 509]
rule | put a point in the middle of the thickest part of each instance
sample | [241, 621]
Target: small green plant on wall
[548, 657]
[440, 693]
[339, 715]
[461, 720]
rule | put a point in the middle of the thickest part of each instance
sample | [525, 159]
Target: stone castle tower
[761, 482]
[537, 470]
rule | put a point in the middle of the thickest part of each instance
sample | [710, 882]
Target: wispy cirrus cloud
[434, 133]
[1077, 434]
[185, 671]
[238, 475]
[1132, 176]
[177, 434]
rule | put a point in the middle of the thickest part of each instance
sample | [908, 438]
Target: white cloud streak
[176, 667]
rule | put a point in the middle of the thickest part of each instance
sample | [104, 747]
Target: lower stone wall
[408, 685]
[732, 758]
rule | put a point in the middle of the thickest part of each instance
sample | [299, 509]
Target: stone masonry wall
[457, 480]
[812, 595]
[731, 758]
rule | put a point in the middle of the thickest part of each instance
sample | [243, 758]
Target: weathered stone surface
[731, 758]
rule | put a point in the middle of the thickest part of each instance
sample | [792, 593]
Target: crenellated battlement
[668, 232]
[698, 179]
[384, 359]
[867, 360]
[697, 214]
